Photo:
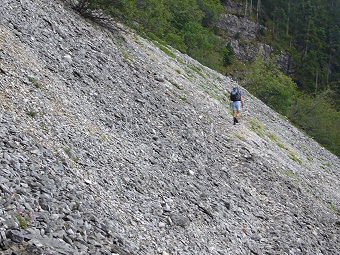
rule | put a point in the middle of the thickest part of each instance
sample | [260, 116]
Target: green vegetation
[165, 49]
[24, 221]
[295, 157]
[270, 85]
[68, 150]
[127, 56]
[276, 140]
[32, 113]
[295, 179]
[333, 208]
[104, 138]
[44, 128]
[35, 82]
[309, 31]
[258, 128]
[292, 175]
[183, 98]
[197, 70]
[241, 137]
[314, 114]
[319, 119]
[187, 25]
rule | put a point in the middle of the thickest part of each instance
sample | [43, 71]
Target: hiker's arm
[242, 101]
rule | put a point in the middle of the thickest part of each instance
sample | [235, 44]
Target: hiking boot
[235, 121]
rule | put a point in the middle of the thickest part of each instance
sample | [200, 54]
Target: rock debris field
[114, 144]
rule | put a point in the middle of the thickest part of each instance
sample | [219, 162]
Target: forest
[307, 30]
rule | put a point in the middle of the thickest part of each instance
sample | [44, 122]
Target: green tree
[270, 85]
[212, 10]
[318, 118]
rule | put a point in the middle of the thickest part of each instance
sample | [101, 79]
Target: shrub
[228, 55]
[270, 85]
[319, 119]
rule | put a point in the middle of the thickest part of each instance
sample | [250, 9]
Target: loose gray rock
[116, 147]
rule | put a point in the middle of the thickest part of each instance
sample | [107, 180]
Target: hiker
[236, 96]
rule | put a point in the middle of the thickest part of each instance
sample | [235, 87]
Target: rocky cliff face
[242, 33]
[110, 146]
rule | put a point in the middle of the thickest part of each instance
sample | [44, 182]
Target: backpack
[235, 95]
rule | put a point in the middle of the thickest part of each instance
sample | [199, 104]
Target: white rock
[68, 58]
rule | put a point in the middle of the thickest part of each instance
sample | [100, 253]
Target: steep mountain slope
[110, 146]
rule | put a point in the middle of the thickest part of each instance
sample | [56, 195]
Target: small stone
[2, 235]
[15, 236]
[191, 172]
[68, 58]
[36, 151]
[162, 225]
[166, 207]
[180, 220]
[70, 231]
[89, 182]
[227, 205]
[160, 79]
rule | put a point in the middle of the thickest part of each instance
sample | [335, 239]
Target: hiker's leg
[238, 113]
[237, 116]
[238, 110]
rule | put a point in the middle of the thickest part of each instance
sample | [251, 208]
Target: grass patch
[165, 49]
[258, 128]
[104, 138]
[309, 158]
[68, 150]
[291, 174]
[333, 208]
[197, 70]
[180, 61]
[176, 85]
[35, 82]
[273, 137]
[32, 113]
[24, 222]
[326, 164]
[241, 137]
[45, 128]
[276, 140]
[127, 56]
[295, 157]
[281, 145]
[183, 98]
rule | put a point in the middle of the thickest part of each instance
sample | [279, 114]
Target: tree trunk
[258, 6]
[288, 19]
[316, 81]
[328, 71]
[307, 38]
[246, 9]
